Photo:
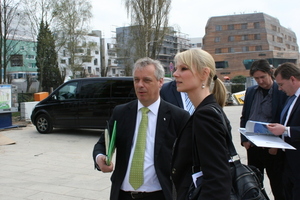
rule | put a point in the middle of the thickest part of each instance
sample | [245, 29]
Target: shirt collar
[153, 107]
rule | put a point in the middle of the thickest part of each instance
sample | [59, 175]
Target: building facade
[173, 42]
[22, 59]
[87, 57]
[235, 41]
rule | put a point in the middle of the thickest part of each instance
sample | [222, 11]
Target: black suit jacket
[278, 100]
[170, 121]
[210, 140]
[292, 156]
[170, 94]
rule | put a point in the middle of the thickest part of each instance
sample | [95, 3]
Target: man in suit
[164, 123]
[287, 76]
[170, 94]
[264, 102]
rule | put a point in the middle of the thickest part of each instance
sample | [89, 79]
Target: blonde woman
[204, 132]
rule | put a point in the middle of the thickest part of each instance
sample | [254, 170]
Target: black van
[82, 103]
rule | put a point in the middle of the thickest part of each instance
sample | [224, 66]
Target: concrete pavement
[60, 166]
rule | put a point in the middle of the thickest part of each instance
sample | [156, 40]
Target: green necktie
[136, 177]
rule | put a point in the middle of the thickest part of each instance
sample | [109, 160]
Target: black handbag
[247, 181]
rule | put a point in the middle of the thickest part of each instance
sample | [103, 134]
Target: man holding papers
[287, 76]
[145, 132]
[264, 102]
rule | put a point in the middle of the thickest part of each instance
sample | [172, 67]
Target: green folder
[112, 146]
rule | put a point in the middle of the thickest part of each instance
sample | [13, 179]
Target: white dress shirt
[151, 182]
[289, 112]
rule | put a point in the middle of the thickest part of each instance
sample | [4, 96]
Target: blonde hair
[197, 60]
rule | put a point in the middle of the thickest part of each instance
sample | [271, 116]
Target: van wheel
[43, 124]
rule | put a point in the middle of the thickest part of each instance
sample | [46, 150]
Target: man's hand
[247, 145]
[273, 151]
[276, 129]
[101, 162]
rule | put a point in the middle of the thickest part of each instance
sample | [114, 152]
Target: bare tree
[10, 28]
[71, 25]
[36, 11]
[149, 22]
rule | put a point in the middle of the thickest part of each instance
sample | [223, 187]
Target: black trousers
[273, 164]
[159, 195]
[291, 183]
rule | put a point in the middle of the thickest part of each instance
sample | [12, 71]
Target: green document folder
[111, 141]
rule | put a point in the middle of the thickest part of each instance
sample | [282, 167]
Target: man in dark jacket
[264, 102]
[165, 121]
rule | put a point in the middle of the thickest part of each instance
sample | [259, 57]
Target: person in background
[287, 76]
[204, 131]
[170, 94]
[147, 176]
[264, 102]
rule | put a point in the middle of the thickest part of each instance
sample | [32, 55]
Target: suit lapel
[296, 105]
[163, 120]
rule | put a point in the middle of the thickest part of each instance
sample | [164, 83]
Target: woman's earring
[203, 86]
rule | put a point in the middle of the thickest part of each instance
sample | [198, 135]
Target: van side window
[95, 89]
[123, 89]
[68, 91]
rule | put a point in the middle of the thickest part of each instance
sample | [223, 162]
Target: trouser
[273, 164]
[291, 182]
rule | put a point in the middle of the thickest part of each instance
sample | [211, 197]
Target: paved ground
[59, 166]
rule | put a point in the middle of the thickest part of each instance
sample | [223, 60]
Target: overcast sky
[190, 16]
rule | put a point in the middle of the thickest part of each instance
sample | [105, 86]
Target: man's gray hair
[143, 62]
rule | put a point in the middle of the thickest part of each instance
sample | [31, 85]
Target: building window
[33, 48]
[88, 52]
[89, 70]
[96, 52]
[257, 36]
[64, 53]
[244, 26]
[30, 57]
[22, 48]
[288, 46]
[113, 71]
[230, 27]
[217, 39]
[279, 39]
[246, 48]
[274, 28]
[218, 27]
[16, 60]
[62, 61]
[97, 69]
[277, 48]
[218, 50]
[221, 64]
[230, 38]
[86, 59]
[256, 25]
[96, 61]
[79, 51]
[230, 50]
[244, 37]
[258, 48]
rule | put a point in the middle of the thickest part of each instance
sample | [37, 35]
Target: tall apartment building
[235, 41]
[173, 42]
[87, 56]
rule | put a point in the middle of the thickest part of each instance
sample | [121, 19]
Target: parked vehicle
[82, 103]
